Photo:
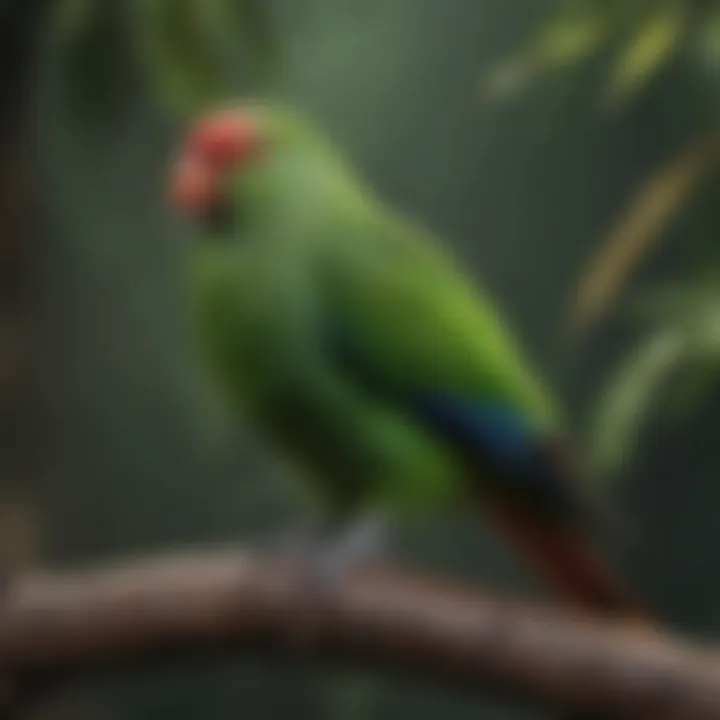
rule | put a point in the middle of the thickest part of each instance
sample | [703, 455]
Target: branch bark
[167, 608]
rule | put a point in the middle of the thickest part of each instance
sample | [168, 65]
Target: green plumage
[325, 315]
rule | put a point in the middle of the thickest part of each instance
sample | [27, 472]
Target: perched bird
[346, 336]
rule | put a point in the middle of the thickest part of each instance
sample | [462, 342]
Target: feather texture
[352, 341]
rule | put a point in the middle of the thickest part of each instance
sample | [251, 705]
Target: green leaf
[175, 42]
[647, 52]
[655, 204]
[683, 358]
[569, 40]
[676, 302]
[631, 395]
[560, 44]
[192, 48]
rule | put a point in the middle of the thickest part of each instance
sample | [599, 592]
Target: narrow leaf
[648, 215]
[562, 43]
[647, 52]
[629, 397]
[177, 52]
[676, 302]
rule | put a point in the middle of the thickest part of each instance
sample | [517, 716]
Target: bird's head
[246, 154]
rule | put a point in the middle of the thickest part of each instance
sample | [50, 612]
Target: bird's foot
[328, 552]
[357, 546]
[320, 565]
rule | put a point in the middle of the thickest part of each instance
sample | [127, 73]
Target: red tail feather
[568, 562]
[573, 568]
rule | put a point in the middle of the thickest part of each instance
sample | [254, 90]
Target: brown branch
[171, 607]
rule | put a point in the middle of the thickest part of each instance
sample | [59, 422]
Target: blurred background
[567, 150]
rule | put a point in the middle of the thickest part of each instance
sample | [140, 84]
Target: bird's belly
[379, 460]
[375, 457]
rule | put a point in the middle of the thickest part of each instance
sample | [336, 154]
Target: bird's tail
[573, 568]
[569, 563]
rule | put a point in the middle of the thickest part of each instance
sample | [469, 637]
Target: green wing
[409, 328]
[407, 321]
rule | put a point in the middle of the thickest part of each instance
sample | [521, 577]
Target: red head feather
[214, 144]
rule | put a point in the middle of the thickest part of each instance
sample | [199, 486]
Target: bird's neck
[297, 199]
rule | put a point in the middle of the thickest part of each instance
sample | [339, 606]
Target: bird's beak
[193, 185]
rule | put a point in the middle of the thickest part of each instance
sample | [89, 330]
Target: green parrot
[344, 334]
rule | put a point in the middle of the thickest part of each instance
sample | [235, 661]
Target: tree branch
[210, 602]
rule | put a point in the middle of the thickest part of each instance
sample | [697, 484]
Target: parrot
[353, 341]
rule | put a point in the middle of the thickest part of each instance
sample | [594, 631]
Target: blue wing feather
[497, 437]
[491, 435]
[499, 431]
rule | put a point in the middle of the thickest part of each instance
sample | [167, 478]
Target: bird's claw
[326, 555]
[320, 562]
